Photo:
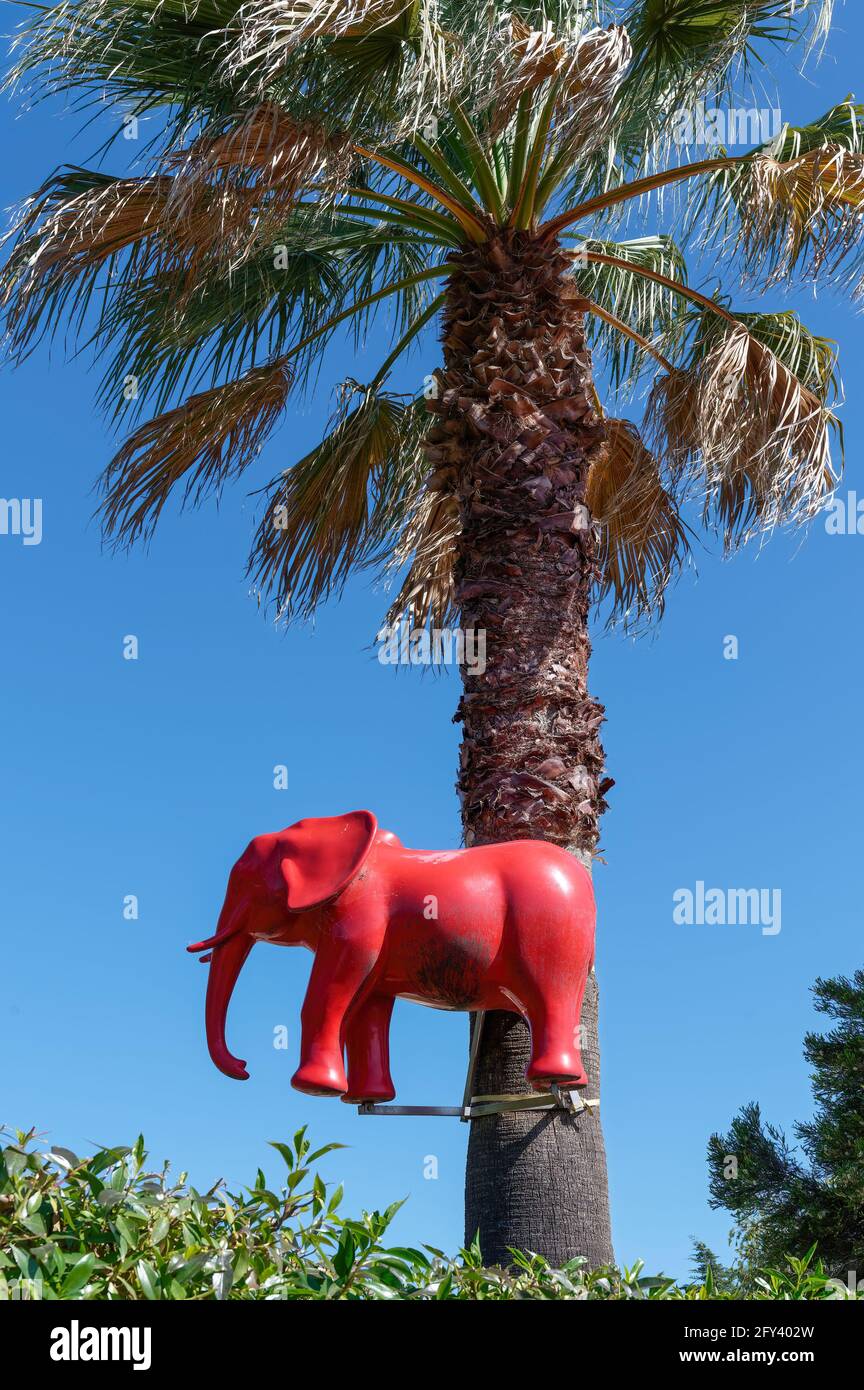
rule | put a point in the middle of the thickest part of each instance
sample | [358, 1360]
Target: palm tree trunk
[514, 440]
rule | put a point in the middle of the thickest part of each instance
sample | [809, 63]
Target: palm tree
[465, 162]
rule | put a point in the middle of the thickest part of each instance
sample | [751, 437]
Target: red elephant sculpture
[504, 926]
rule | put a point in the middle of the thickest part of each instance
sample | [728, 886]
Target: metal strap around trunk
[473, 1107]
[557, 1099]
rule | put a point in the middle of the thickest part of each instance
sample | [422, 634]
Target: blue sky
[148, 777]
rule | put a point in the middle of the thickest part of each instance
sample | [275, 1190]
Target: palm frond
[65, 238]
[427, 544]
[397, 41]
[247, 176]
[168, 311]
[588, 87]
[805, 213]
[266, 151]
[75, 225]
[642, 541]
[200, 445]
[149, 54]
[528, 58]
[686, 53]
[587, 68]
[277, 27]
[654, 311]
[335, 509]
[173, 342]
[748, 420]
[682, 47]
[796, 206]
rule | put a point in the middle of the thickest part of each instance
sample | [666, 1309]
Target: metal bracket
[367, 1107]
[473, 1107]
[556, 1099]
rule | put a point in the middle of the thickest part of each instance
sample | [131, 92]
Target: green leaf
[110, 1197]
[325, 1149]
[125, 1232]
[16, 1160]
[343, 1258]
[78, 1276]
[286, 1152]
[25, 1262]
[149, 1280]
[161, 1227]
[65, 1157]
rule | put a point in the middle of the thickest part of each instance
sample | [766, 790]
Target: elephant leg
[339, 973]
[367, 1042]
[555, 1053]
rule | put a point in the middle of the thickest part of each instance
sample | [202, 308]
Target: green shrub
[105, 1227]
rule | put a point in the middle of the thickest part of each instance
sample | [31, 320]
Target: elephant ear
[322, 855]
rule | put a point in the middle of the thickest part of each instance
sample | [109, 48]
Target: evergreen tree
[706, 1268]
[786, 1199]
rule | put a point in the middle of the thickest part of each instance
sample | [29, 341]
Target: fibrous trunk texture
[514, 441]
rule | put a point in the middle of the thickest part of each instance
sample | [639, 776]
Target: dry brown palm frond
[428, 540]
[754, 439]
[328, 513]
[204, 228]
[529, 58]
[269, 142]
[642, 540]
[61, 242]
[96, 224]
[599, 65]
[59, 238]
[766, 438]
[201, 444]
[219, 201]
[600, 60]
[588, 71]
[250, 175]
[672, 414]
[807, 210]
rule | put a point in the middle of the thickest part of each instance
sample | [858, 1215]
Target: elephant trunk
[230, 947]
